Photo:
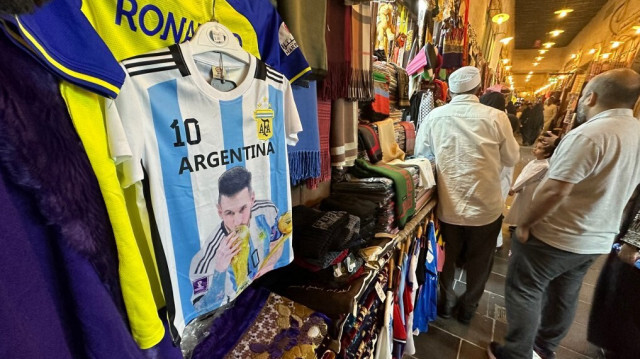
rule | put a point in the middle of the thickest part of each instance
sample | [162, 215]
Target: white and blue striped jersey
[171, 124]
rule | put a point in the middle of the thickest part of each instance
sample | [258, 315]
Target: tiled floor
[448, 339]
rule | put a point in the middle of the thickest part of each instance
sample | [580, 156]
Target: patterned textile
[453, 44]
[282, 329]
[400, 137]
[368, 139]
[410, 137]
[402, 183]
[403, 87]
[324, 129]
[344, 133]
[426, 106]
[381, 102]
[361, 85]
[304, 157]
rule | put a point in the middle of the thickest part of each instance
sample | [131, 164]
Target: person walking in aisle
[497, 101]
[550, 113]
[471, 143]
[573, 218]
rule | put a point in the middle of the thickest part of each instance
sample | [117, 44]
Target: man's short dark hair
[233, 181]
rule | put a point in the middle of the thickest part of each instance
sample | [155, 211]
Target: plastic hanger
[215, 37]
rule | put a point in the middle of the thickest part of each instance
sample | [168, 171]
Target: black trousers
[474, 246]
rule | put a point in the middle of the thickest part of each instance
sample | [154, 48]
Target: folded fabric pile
[266, 325]
[378, 190]
[402, 183]
[362, 208]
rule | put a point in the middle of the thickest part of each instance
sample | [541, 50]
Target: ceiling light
[615, 44]
[548, 44]
[539, 58]
[562, 77]
[526, 80]
[563, 12]
[606, 56]
[573, 56]
[592, 51]
[536, 63]
[542, 52]
[530, 72]
[505, 61]
[637, 28]
[500, 18]
[555, 33]
[506, 40]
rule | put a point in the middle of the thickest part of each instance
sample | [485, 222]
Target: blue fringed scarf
[304, 157]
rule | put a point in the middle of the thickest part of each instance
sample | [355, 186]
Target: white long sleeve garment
[471, 144]
[526, 184]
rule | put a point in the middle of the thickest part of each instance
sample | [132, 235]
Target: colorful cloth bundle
[266, 326]
[402, 183]
[380, 106]
[369, 142]
[400, 136]
[409, 135]
[403, 87]
[376, 189]
[386, 135]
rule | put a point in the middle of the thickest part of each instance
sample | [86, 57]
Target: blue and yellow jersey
[84, 40]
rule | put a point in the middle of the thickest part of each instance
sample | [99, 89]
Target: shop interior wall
[613, 21]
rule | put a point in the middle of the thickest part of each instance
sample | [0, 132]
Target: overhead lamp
[500, 18]
[530, 72]
[505, 61]
[548, 44]
[592, 51]
[563, 12]
[573, 56]
[536, 63]
[561, 77]
[542, 52]
[539, 58]
[506, 40]
[555, 33]
[616, 44]
[508, 67]
[637, 28]
[526, 80]
[606, 55]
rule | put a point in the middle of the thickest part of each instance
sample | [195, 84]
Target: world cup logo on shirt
[264, 122]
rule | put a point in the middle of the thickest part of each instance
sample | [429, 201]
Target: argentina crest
[263, 116]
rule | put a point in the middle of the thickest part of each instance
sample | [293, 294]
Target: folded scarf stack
[378, 190]
[402, 182]
[362, 208]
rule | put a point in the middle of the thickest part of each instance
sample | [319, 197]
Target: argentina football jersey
[217, 169]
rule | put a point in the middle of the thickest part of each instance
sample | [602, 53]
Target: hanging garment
[426, 303]
[412, 283]
[307, 20]
[426, 106]
[335, 85]
[380, 106]
[304, 157]
[126, 32]
[195, 155]
[324, 129]
[410, 136]
[344, 132]
[361, 84]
